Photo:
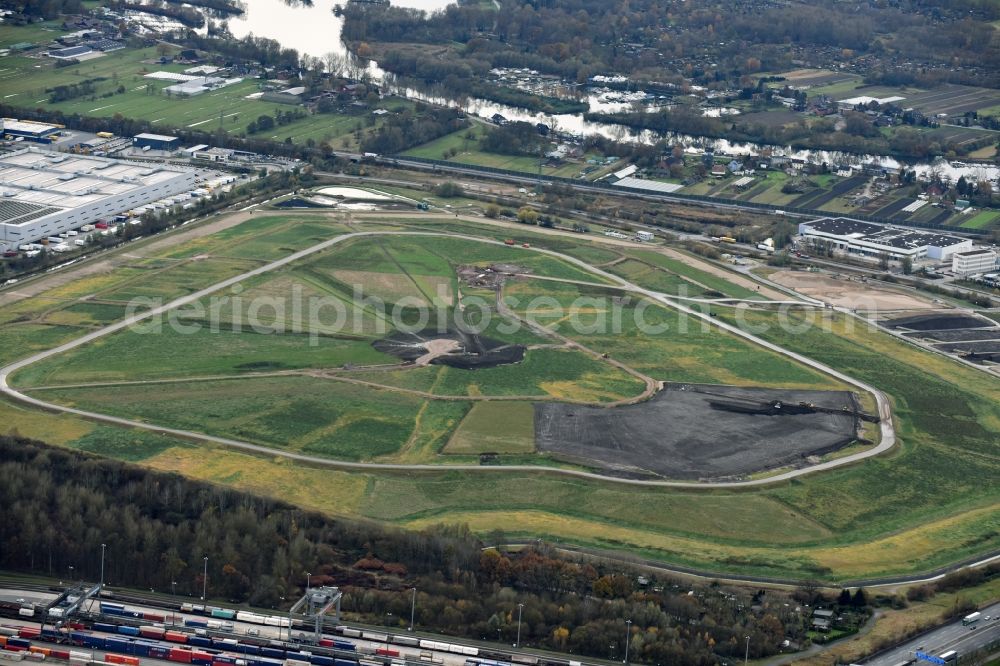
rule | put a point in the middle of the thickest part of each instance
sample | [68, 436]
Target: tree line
[61, 505]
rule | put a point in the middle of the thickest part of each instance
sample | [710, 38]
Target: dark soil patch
[938, 322]
[473, 350]
[691, 431]
[958, 335]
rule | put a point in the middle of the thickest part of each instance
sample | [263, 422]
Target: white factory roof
[13, 125]
[35, 182]
[865, 99]
[651, 185]
[626, 172]
[155, 137]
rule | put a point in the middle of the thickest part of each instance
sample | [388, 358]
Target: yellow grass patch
[325, 490]
[51, 428]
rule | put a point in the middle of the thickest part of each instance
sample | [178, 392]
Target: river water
[315, 31]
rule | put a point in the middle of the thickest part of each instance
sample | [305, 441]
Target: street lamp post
[517, 643]
[308, 581]
[413, 607]
[204, 581]
[71, 574]
[173, 587]
[103, 548]
[746, 656]
[628, 634]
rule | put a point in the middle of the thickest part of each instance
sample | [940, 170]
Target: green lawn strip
[192, 349]
[321, 417]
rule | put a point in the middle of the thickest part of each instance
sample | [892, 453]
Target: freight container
[26, 612]
[179, 655]
[60, 654]
[80, 655]
[152, 617]
[223, 613]
[195, 623]
[200, 641]
[320, 660]
[175, 637]
[272, 652]
[29, 632]
[344, 662]
[127, 630]
[158, 652]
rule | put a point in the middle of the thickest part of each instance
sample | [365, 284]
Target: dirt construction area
[849, 292]
[691, 431]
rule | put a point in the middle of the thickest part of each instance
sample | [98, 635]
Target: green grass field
[462, 147]
[981, 220]
[498, 427]
[931, 501]
[26, 82]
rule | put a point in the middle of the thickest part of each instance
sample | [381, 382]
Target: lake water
[310, 30]
[315, 31]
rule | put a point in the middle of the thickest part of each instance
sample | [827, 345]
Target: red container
[179, 655]
[325, 642]
[29, 632]
[153, 617]
[175, 637]
[386, 652]
[60, 654]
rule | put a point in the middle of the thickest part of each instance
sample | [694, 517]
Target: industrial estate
[499, 333]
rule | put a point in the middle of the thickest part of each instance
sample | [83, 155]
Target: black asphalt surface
[952, 636]
[959, 335]
[690, 431]
[937, 322]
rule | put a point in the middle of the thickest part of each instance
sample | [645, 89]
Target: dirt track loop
[887, 440]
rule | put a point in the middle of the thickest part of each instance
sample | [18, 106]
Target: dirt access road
[850, 293]
[887, 429]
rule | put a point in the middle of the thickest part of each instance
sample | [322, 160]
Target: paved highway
[952, 636]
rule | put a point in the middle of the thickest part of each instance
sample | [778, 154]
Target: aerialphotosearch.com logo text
[360, 313]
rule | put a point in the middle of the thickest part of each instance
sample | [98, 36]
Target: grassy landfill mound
[931, 502]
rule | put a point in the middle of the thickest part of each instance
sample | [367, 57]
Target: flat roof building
[156, 141]
[973, 262]
[29, 130]
[45, 193]
[873, 240]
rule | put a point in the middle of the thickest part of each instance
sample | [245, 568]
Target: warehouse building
[44, 193]
[973, 262]
[156, 141]
[27, 130]
[874, 240]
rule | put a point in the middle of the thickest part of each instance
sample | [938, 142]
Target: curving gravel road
[888, 434]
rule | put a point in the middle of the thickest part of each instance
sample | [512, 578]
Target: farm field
[930, 502]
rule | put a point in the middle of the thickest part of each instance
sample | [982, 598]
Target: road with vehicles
[952, 636]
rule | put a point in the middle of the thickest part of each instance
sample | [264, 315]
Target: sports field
[929, 502]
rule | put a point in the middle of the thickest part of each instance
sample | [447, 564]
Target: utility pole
[746, 656]
[204, 581]
[413, 607]
[517, 643]
[103, 548]
[628, 634]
